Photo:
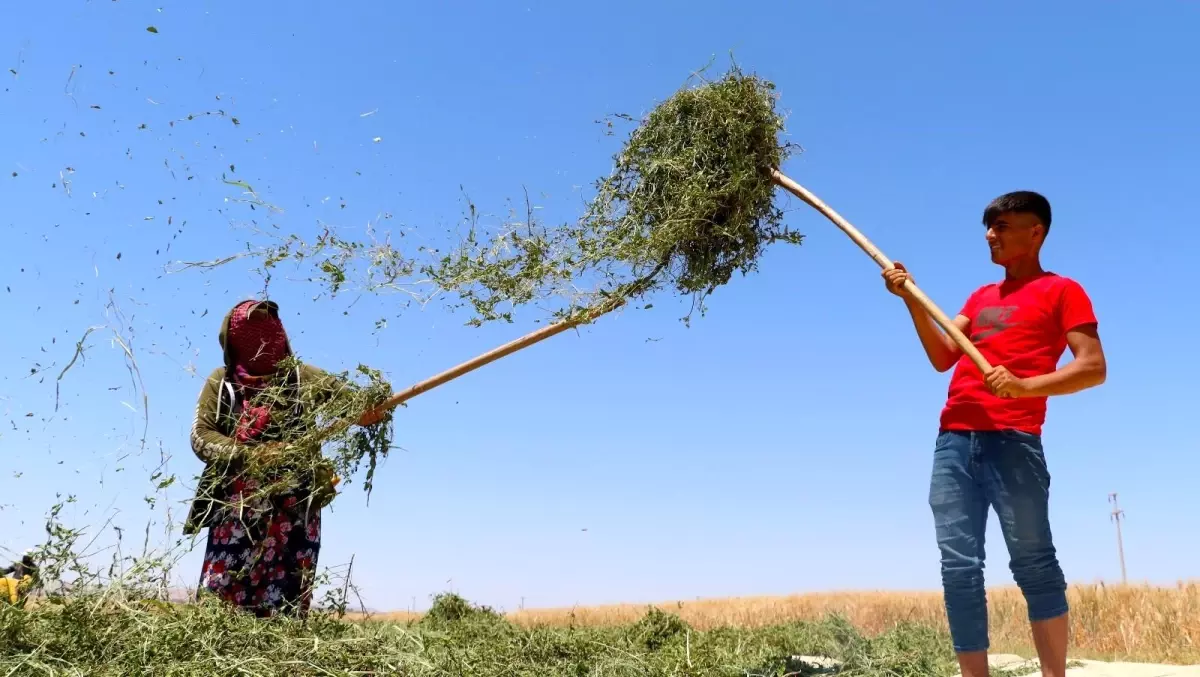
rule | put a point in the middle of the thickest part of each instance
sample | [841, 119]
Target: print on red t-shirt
[1022, 326]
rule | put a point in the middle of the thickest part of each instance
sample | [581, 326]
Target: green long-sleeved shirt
[213, 427]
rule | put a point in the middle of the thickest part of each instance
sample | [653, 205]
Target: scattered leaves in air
[688, 205]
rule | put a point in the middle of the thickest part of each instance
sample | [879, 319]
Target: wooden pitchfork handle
[485, 359]
[477, 362]
[501, 351]
[938, 316]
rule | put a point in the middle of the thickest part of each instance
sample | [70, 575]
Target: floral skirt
[263, 559]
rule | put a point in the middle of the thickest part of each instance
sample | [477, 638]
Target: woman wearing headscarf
[262, 548]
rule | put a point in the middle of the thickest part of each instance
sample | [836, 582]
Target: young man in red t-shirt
[989, 450]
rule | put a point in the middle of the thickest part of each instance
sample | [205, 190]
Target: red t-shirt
[1022, 326]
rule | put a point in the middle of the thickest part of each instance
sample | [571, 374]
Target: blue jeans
[1007, 471]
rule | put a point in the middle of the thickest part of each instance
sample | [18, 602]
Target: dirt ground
[1013, 664]
[1096, 668]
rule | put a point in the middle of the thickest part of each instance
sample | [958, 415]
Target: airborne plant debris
[688, 204]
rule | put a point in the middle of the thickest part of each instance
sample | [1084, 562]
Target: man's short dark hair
[1025, 201]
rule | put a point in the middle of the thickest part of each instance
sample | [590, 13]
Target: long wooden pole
[557, 328]
[499, 352]
[482, 360]
[936, 313]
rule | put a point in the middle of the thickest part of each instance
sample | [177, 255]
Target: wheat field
[1108, 622]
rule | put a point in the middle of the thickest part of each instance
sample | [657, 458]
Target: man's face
[1013, 236]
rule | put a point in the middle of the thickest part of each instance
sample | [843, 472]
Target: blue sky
[781, 444]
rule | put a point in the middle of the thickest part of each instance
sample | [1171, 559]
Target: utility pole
[1117, 514]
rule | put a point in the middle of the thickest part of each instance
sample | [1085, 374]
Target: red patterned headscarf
[257, 343]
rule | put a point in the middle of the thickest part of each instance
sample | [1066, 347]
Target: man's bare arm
[1088, 369]
[942, 351]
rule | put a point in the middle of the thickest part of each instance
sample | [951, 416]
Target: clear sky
[781, 444]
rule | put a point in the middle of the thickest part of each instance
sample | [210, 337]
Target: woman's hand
[372, 417]
[325, 489]
[269, 453]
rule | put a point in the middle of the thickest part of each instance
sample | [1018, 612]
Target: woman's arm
[324, 386]
[321, 385]
[208, 442]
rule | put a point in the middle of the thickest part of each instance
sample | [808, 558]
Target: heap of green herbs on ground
[117, 620]
[118, 634]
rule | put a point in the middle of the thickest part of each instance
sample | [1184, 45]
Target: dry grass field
[1137, 623]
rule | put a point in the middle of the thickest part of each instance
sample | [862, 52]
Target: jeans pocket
[1022, 452]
